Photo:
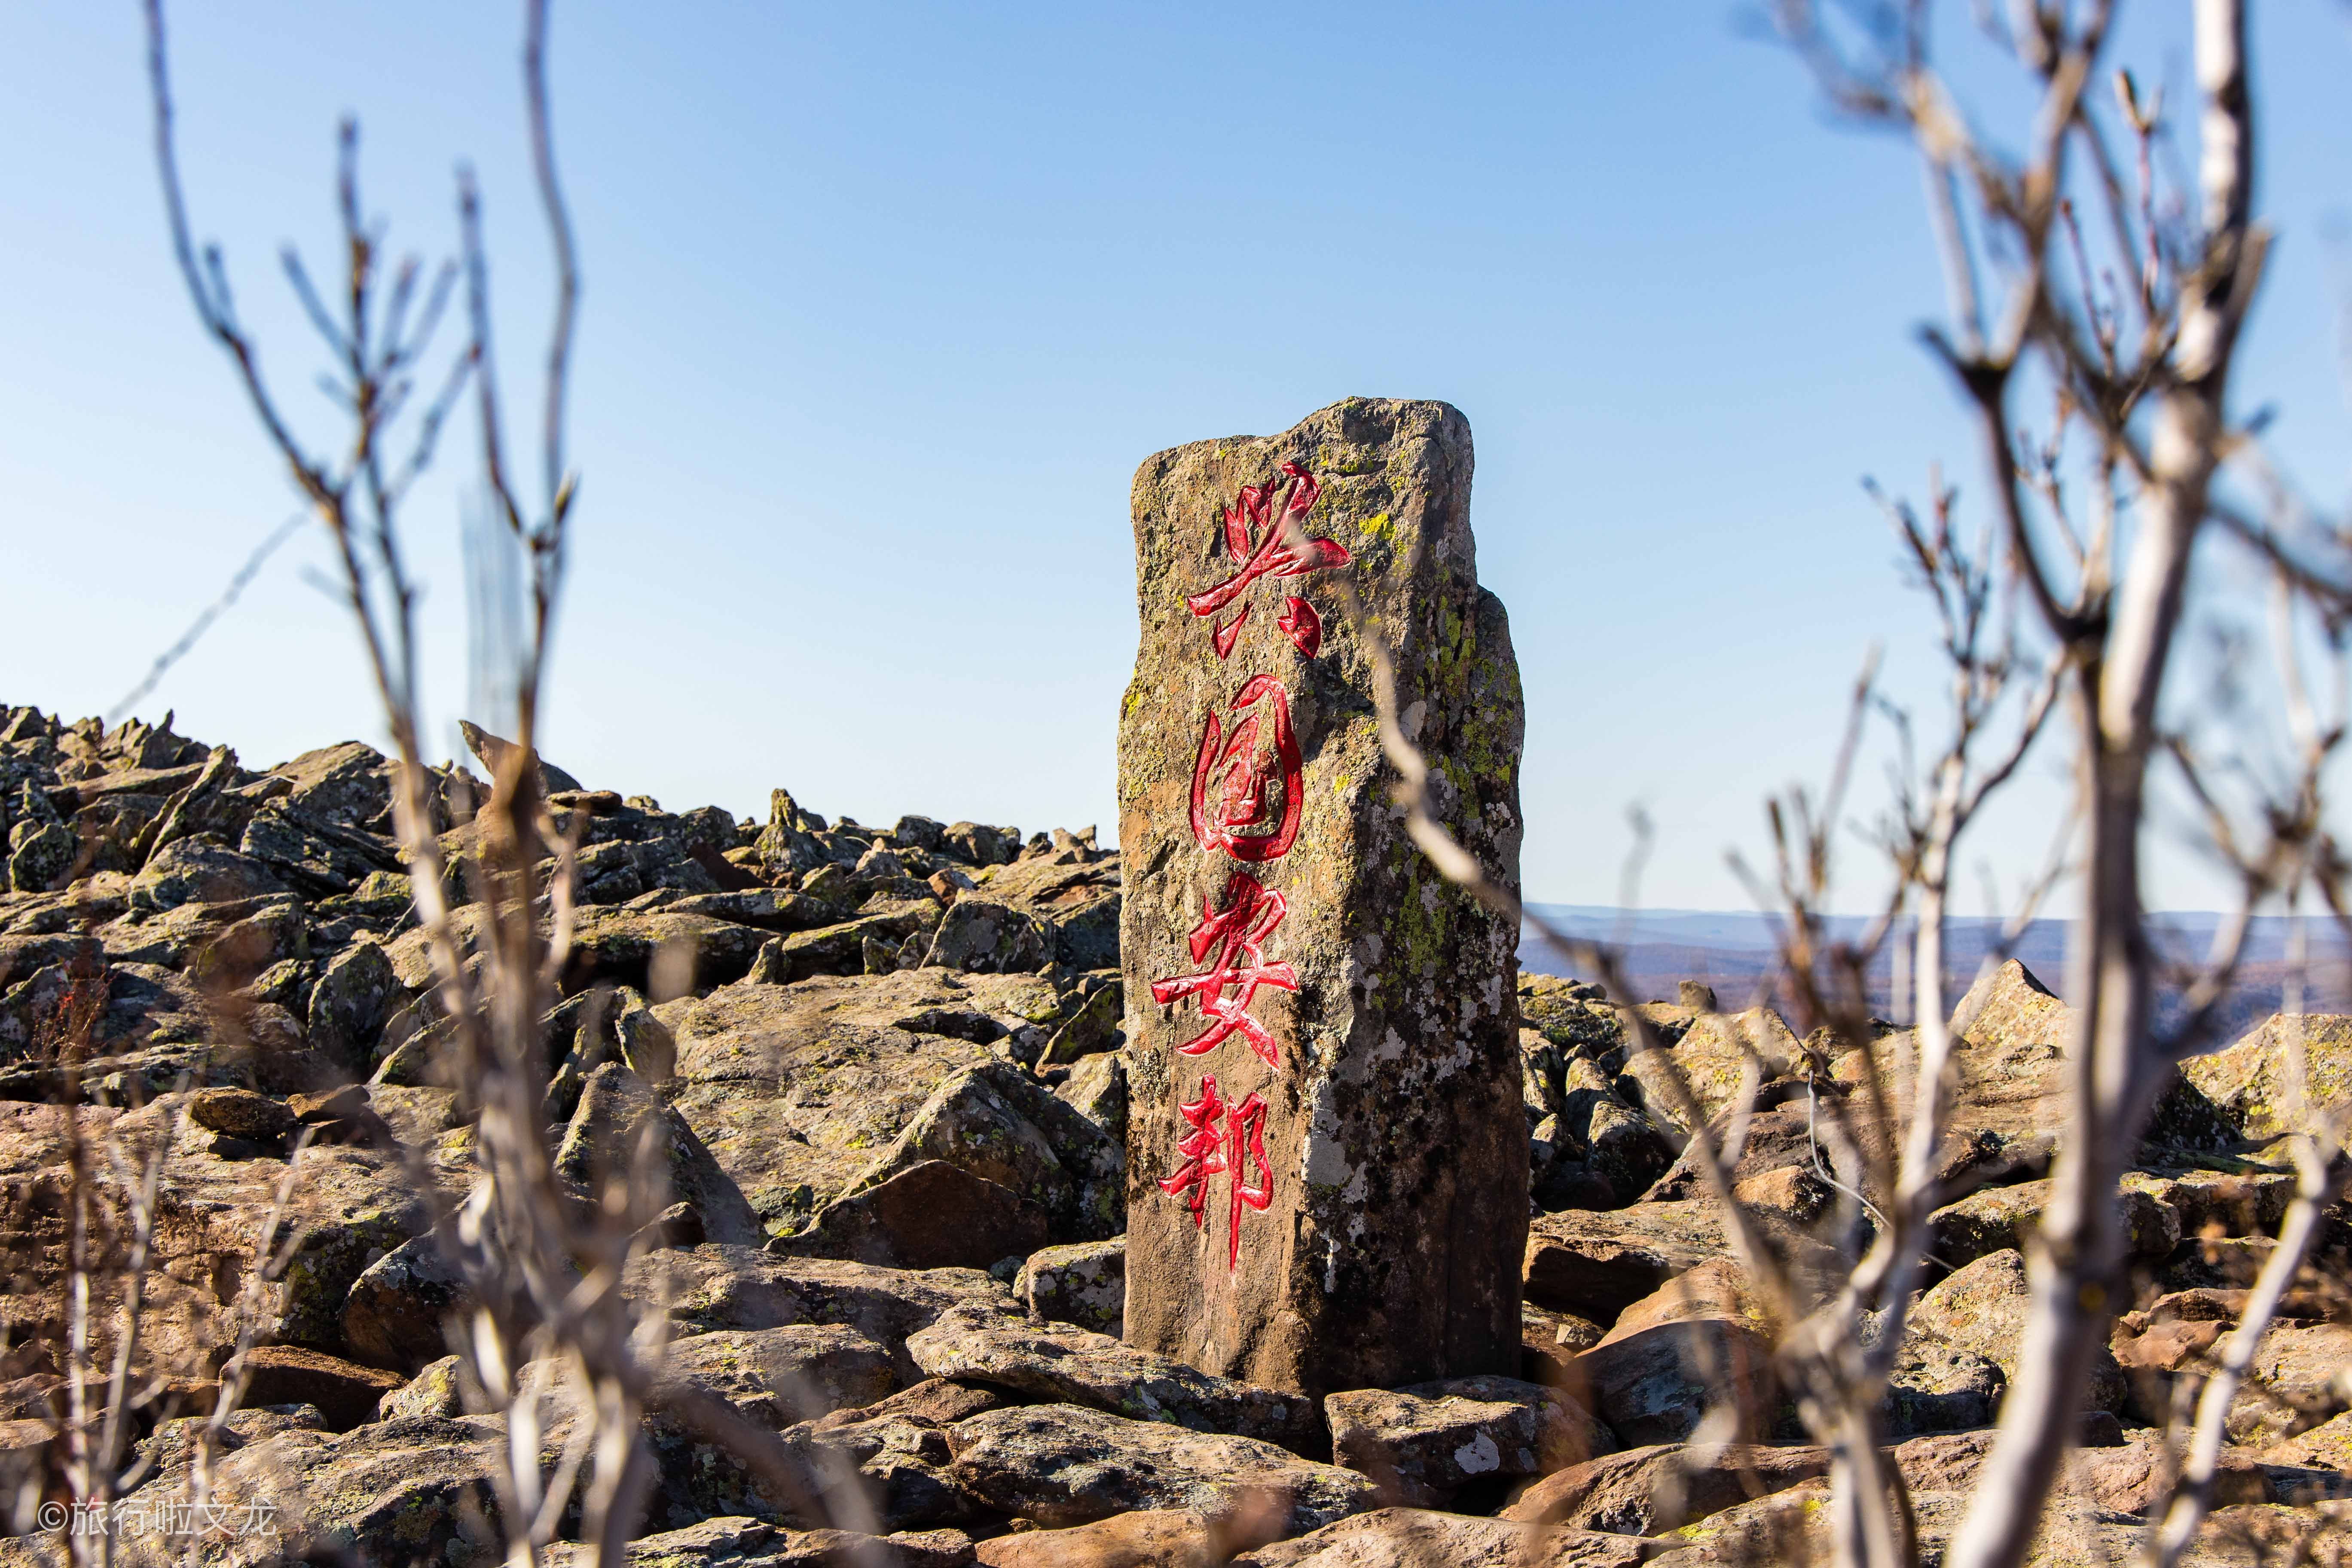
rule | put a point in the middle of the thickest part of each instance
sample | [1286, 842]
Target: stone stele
[1328, 1160]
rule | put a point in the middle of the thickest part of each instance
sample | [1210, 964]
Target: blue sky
[885, 303]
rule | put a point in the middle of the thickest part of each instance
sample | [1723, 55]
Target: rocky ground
[886, 1066]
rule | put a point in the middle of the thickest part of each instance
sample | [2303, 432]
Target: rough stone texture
[1394, 1149]
[1084, 1283]
[1417, 1537]
[401, 1491]
[732, 1541]
[345, 1394]
[2302, 1375]
[396, 1312]
[1714, 1054]
[797, 1089]
[796, 1372]
[1426, 1443]
[2002, 1219]
[1148, 1538]
[1596, 1265]
[930, 1214]
[997, 1121]
[1982, 1308]
[2252, 1082]
[1671, 1357]
[1652, 1490]
[241, 1113]
[714, 1286]
[1065, 1464]
[351, 1206]
[1062, 1365]
[1937, 1387]
[2009, 1099]
[438, 1390]
[617, 1118]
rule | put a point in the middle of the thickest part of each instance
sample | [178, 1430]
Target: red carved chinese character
[1242, 820]
[1204, 1151]
[1237, 932]
[1223, 1142]
[1303, 624]
[1255, 526]
[1245, 1135]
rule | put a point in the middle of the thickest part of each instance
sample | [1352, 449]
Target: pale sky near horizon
[885, 303]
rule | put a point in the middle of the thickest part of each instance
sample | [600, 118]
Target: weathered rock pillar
[1328, 1160]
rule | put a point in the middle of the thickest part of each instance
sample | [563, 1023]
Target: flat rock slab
[714, 1286]
[1067, 1464]
[1595, 1264]
[740, 1542]
[1084, 1284]
[1064, 1365]
[1982, 1308]
[930, 1214]
[1413, 1538]
[1426, 1443]
[344, 1393]
[1660, 1486]
[779, 1376]
[1153, 1538]
[1328, 1161]
[795, 1088]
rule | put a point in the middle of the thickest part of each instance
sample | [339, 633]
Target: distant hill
[1734, 952]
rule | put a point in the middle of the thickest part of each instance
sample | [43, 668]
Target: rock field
[894, 1102]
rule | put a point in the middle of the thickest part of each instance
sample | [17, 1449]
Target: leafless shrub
[2131, 333]
[555, 1345]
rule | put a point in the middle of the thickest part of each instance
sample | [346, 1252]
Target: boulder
[619, 1124]
[734, 1541]
[1938, 1386]
[1417, 1537]
[349, 784]
[1715, 1056]
[1066, 1464]
[1673, 1356]
[41, 855]
[1084, 1283]
[1426, 1443]
[1596, 1265]
[497, 754]
[1148, 1538]
[716, 1286]
[796, 1088]
[344, 1393]
[2010, 1097]
[930, 1214]
[1660, 1486]
[438, 1390]
[395, 1491]
[995, 1120]
[2252, 1082]
[1075, 900]
[1982, 1308]
[200, 869]
[318, 858]
[782, 1376]
[241, 1113]
[1097, 1089]
[1070, 1366]
[2301, 1376]
[2004, 1219]
[981, 933]
[356, 993]
[398, 1312]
